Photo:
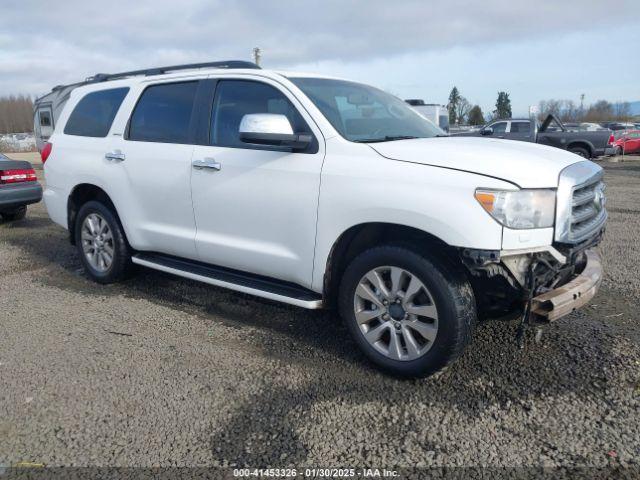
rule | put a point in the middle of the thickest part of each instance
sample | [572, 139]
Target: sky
[533, 50]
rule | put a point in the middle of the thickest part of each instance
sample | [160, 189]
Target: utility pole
[257, 54]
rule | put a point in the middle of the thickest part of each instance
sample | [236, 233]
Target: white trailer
[434, 112]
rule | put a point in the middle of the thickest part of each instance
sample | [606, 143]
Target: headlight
[519, 209]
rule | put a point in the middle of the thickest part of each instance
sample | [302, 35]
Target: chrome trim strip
[310, 304]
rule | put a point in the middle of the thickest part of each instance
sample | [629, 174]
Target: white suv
[317, 192]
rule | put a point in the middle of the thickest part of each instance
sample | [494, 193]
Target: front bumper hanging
[569, 297]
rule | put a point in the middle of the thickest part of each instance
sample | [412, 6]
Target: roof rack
[103, 77]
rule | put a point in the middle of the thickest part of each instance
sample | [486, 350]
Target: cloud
[43, 45]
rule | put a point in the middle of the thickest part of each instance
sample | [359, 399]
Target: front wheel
[411, 314]
[101, 243]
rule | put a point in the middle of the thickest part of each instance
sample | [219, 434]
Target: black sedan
[19, 187]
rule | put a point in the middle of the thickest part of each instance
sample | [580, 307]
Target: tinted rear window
[163, 113]
[94, 114]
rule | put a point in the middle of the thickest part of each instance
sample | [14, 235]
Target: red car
[629, 142]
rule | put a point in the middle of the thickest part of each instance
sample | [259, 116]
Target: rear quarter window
[94, 114]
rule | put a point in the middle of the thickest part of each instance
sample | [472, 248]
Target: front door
[632, 143]
[256, 211]
[499, 130]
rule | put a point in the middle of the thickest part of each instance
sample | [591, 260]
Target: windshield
[361, 113]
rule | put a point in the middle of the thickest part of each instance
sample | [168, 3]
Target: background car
[628, 143]
[19, 187]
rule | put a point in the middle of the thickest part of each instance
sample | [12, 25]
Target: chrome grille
[581, 209]
[587, 211]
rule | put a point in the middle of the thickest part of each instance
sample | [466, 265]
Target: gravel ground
[161, 371]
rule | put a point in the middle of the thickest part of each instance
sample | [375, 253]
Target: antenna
[257, 55]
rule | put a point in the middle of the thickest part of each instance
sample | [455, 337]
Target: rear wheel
[410, 314]
[101, 243]
[583, 152]
[17, 214]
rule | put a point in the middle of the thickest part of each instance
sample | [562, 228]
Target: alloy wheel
[97, 242]
[396, 313]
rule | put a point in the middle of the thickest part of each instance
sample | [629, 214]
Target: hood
[528, 165]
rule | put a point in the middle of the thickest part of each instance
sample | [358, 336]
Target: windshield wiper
[388, 138]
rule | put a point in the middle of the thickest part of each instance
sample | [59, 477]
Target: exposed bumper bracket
[565, 299]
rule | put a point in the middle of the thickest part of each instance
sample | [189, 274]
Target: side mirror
[271, 129]
[487, 131]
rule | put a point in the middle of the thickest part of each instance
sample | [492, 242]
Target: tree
[462, 109]
[622, 111]
[570, 113]
[503, 106]
[454, 98]
[16, 114]
[475, 116]
[599, 111]
[565, 110]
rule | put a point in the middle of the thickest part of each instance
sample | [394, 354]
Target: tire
[618, 151]
[112, 242]
[17, 214]
[445, 288]
[583, 152]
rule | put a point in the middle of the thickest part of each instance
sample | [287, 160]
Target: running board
[234, 280]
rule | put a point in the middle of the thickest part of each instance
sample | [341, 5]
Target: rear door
[153, 157]
[257, 212]
[520, 130]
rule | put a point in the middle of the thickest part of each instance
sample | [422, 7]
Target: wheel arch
[361, 237]
[81, 194]
[582, 144]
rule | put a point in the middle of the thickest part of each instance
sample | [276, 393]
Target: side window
[499, 127]
[519, 127]
[45, 118]
[163, 113]
[94, 114]
[236, 98]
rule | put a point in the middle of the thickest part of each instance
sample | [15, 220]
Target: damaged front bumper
[547, 283]
[574, 294]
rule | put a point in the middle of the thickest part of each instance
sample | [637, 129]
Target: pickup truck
[321, 192]
[587, 144]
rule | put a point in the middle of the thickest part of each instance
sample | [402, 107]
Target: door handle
[208, 163]
[116, 155]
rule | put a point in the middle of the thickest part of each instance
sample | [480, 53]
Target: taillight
[18, 176]
[611, 139]
[46, 151]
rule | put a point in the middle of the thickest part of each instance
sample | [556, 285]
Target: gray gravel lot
[164, 371]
